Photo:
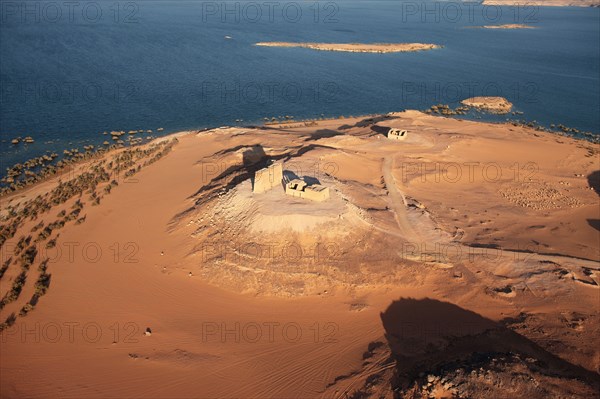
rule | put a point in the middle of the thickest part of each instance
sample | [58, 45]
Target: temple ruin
[267, 178]
[273, 176]
[396, 134]
[299, 188]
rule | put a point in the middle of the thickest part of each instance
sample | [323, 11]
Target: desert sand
[461, 262]
[357, 47]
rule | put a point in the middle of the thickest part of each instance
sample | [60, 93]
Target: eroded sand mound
[276, 244]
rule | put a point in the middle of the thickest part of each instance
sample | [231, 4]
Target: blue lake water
[69, 74]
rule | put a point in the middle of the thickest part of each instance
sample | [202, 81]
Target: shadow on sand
[595, 223]
[427, 334]
[380, 129]
[368, 121]
[289, 175]
[323, 134]
[594, 181]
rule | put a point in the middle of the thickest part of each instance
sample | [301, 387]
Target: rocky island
[357, 47]
[546, 3]
[507, 26]
[497, 105]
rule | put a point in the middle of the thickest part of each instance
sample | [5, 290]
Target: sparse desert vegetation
[98, 173]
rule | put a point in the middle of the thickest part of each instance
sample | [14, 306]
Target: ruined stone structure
[397, 134]
[272, 176]
[299, 188]
[267, 178]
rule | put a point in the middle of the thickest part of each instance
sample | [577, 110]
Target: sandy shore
[461, 261]
[357, 47]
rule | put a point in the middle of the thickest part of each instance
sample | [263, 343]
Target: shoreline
[82, 158]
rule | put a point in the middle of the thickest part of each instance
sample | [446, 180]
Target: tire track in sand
[397, 200]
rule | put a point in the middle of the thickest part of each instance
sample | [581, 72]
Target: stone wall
[298, 188]
[397, 134]
[267, 178]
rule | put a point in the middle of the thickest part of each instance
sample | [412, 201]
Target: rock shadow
[594, 181]
[425, 335]
[368, 121]
[323, 134]
[289, 175]
[380, 129]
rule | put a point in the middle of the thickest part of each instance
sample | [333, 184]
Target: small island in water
[357, 47]
[497, 105]
[507, 26]
[545, 3]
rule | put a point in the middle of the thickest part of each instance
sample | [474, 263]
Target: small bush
[42, 284]
[15, 290]
[5, 267]
[51, 244]
[10, 320]
[26, 309]
[28, 257]
[37, 226]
